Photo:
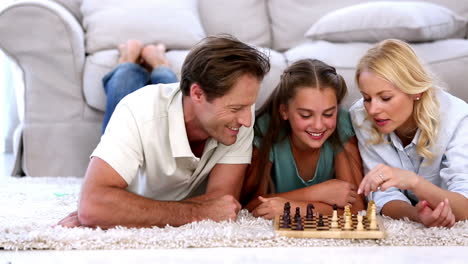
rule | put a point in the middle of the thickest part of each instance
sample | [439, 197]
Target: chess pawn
[297, 216]
[310, 212]
[359, 226]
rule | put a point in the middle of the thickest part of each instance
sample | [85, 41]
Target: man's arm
[224, 179]
[105, 203]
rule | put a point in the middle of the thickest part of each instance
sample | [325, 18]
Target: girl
[412, 137]
[305, 150]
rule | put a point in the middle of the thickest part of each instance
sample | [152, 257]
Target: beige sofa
[64, 47]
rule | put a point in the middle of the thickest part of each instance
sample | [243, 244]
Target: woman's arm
[433, 194]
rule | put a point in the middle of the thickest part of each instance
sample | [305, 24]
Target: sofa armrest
[47, 43]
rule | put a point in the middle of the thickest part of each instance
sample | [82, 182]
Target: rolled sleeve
[120, 146]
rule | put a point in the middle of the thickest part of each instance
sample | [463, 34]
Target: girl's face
[312, 114]
[387, 106]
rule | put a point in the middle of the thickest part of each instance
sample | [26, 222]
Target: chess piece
[286, 216]
[299, 225]
[320, 223]
[310, 211]
[360, 226]
[373, 218]
[347, 217]
[369, 207]
[348, 223]
[334, 220]
[297, 216]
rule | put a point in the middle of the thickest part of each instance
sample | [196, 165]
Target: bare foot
[155, 55]
[130, 51]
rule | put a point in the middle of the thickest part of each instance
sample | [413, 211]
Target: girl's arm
[348, 167]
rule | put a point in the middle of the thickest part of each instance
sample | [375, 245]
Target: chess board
[311, 230]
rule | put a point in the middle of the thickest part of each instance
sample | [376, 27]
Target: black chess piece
[297, 216]
[310, 211]
[299, 225]
[320, 222]
[335, 207]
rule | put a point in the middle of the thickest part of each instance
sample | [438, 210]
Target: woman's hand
[270, 207]
[442, 215]
[338, 192]
[382, 177]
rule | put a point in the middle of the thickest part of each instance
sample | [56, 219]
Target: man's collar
[177, 131]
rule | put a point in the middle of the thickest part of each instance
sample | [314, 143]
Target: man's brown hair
[217, 62]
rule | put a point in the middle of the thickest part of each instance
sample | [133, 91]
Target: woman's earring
[417, 98]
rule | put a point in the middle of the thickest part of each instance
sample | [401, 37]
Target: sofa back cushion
[245, 19]
[291, 19]
[376, 21]
[108, 23]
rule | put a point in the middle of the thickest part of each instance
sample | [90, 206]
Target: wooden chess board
[311, 230]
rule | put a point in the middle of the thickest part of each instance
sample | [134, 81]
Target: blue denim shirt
[449, 169]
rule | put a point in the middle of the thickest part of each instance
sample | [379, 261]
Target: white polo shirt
[146, 143]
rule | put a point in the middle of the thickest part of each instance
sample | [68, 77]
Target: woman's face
[312, 114]
[387, 106]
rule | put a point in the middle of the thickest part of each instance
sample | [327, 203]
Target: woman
[305, 150]
[412, 138]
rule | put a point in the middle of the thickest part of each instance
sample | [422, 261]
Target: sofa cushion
[449, 62]
[109, 23]
[376, 21]
[247, 20]
[291, 19]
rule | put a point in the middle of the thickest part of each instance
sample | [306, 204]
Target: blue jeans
[127, 78]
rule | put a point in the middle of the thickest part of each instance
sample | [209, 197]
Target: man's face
[222, 118]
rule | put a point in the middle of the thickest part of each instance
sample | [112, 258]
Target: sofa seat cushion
[100, 63]
[450, 61]
[108, 23]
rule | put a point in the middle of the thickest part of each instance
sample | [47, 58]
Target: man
[165, 144]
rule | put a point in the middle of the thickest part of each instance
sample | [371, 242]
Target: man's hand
[441, 216]
[338, 192]
[70, 220]
[269, 207]
[224, 208]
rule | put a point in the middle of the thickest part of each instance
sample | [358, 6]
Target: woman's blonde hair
[396, 62]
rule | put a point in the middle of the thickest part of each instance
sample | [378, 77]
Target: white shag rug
[30, 207]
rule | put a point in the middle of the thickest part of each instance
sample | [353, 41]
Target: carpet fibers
[30, 208]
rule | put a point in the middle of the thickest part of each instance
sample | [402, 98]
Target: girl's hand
[382, 177]
[270, 207]
[442, 215]
[338, 192]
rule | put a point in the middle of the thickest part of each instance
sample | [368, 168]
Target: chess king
[177, 153]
